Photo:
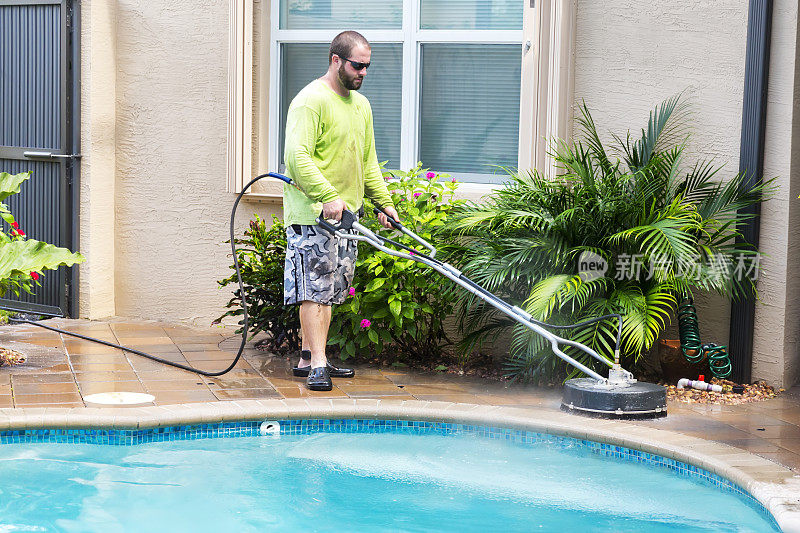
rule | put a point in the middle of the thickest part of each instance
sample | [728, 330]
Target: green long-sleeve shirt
[330, 153]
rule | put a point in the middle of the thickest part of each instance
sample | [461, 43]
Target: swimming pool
[327, 475]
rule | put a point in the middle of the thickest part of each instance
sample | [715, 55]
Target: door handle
[50, 155]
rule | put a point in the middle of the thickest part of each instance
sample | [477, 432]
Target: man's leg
[315, 319]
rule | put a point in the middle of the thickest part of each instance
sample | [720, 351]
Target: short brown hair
[343, 44]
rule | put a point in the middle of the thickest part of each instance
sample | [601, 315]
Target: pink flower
[365, 324]
[352, 291]
[416, 194]
[430, 175]
[35, 276]
[411, 253]
[453, 180]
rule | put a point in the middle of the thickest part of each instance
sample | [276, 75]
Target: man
[330, 154]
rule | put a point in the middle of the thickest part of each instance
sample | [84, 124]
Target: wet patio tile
[55, 368]
[786, 431]
[101, 367]
[233, 383]
[33, 399]
[360, 380]
[197, 347]
[141, 341]
[433, 389]
[752, 445]
[166, 374]
[87, 348]
[287, 382]
[96, 387]
[373, 390]
[142, 364]
[44, 388]
[45, 343]
[300, 391]
[92, 359]
[211, 355]
[137, 330]
[792, 445]
[783, 457]
[42, 405]
[56, 377]
[216, 366]
[455, 398]
[83, 377]
[241, 394]
[397, 397]
[719, 433]
[173, 397]
[184, 385]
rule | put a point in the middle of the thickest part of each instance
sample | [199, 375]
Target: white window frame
[546, 101]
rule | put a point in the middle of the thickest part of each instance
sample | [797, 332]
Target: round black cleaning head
[588, 397]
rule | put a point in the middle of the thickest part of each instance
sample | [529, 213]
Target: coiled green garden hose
[693, 350]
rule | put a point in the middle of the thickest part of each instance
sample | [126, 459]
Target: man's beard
[352, 83]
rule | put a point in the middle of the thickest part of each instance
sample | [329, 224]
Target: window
[444, 86]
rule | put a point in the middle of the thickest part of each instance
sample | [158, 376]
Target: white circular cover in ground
[119, 398]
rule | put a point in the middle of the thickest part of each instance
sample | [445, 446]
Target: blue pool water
[353, 482]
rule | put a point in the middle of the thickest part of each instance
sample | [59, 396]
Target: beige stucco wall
[154, 208]
[775, 356]
[172, 210]
[631, 55]
[98, 165]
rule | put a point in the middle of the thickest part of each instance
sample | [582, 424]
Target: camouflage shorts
[319, 267]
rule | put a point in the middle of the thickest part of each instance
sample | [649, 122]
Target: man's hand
[385, 220]
[333, 210]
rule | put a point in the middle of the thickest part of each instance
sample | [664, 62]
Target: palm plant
[666, 228]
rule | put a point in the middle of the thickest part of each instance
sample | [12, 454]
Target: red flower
[15, 225]
[21, 233]
[35, 276]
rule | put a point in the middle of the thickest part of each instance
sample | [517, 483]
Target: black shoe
[319, 379]
[334, 371]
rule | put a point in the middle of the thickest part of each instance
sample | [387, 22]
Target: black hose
[245, 325]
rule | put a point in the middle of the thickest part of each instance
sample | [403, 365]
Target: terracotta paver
[62, 370]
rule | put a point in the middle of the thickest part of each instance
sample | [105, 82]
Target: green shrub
[397, 303]
[261, 257]
[676, 220]
[23, 260]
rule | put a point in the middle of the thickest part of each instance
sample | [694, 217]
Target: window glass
[471, 14]
[344, 14]
[301, 63]
[469, 111]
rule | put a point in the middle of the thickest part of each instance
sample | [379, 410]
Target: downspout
[751, 163]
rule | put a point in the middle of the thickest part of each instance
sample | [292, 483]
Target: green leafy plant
[664, 228]
[24, 260]
[398, 303]
[261, 254]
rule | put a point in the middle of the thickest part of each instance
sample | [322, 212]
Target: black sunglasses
[356, 64]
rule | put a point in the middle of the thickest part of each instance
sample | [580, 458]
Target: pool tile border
[773, 488]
